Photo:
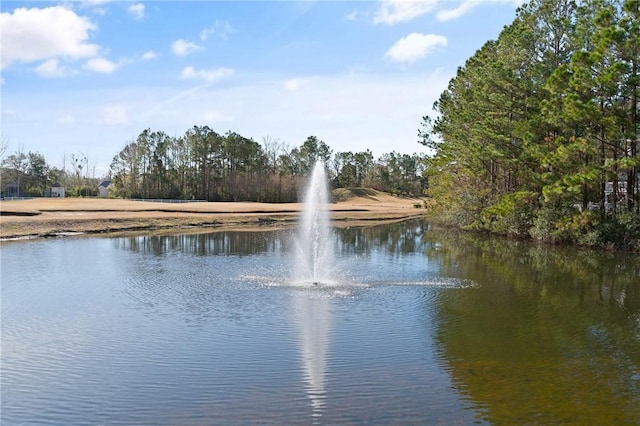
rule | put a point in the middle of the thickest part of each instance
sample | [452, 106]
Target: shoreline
[50, 217]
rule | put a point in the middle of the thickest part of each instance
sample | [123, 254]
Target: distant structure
[55, 191]
[103, 188]
[12, 190]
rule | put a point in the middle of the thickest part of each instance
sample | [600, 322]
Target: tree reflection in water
[549, 335]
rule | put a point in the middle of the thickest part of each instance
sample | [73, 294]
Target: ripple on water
[184, 339]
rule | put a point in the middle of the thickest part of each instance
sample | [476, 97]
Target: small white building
[57, 191]
[103, 188]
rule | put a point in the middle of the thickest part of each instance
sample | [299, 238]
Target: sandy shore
[44, 217]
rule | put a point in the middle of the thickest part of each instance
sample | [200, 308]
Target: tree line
[31, 175]
[537, 134]
[206, 165]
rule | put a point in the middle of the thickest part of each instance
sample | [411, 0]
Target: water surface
[420, 327]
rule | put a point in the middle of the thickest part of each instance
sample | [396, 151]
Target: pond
[420, 326]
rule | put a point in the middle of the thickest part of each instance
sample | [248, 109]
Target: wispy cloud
[210, 75]
[51, 68]
[391, 12]
[352, 16]
[183, 47]
[137, 11]
[466, 6]
[357, 14]
[100, 11]
[149, 55]
[415, 46]
[221, 29]
[94, 2]
[356, 120]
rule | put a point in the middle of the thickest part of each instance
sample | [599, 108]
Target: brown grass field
[43, 217]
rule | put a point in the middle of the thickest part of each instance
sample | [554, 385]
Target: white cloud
[37, 34]
[183, 47]
[149, 55]
[51, 68]
[296, 84]
[221, 29]
[466, 6]
[114, 115]
[137, 11]
[100, 65]
[392, 12]
[456, 12]
[355, 14]
[210, 75]
[414, 46]
[94, 2]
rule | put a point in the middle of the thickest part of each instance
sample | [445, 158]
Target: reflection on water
[206, 244]
[422, 327]
[311, 311]
[393, 240]
[552, 334]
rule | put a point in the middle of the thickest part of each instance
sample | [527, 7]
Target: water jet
[313, 261]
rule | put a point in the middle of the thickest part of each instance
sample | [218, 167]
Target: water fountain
[314, 249]
[312, 268]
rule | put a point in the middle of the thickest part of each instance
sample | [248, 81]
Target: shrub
[512, 215]
[83, 191]
[550, 223]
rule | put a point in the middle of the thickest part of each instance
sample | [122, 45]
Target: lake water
[420, 327]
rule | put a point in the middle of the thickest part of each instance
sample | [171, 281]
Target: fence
[3, 198]
[149, 200]
[165, 200]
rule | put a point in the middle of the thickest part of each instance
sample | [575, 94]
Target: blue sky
[88, 77]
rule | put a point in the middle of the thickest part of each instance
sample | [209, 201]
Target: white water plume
[314, 256]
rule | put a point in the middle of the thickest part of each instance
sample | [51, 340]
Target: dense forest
[537, 134]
